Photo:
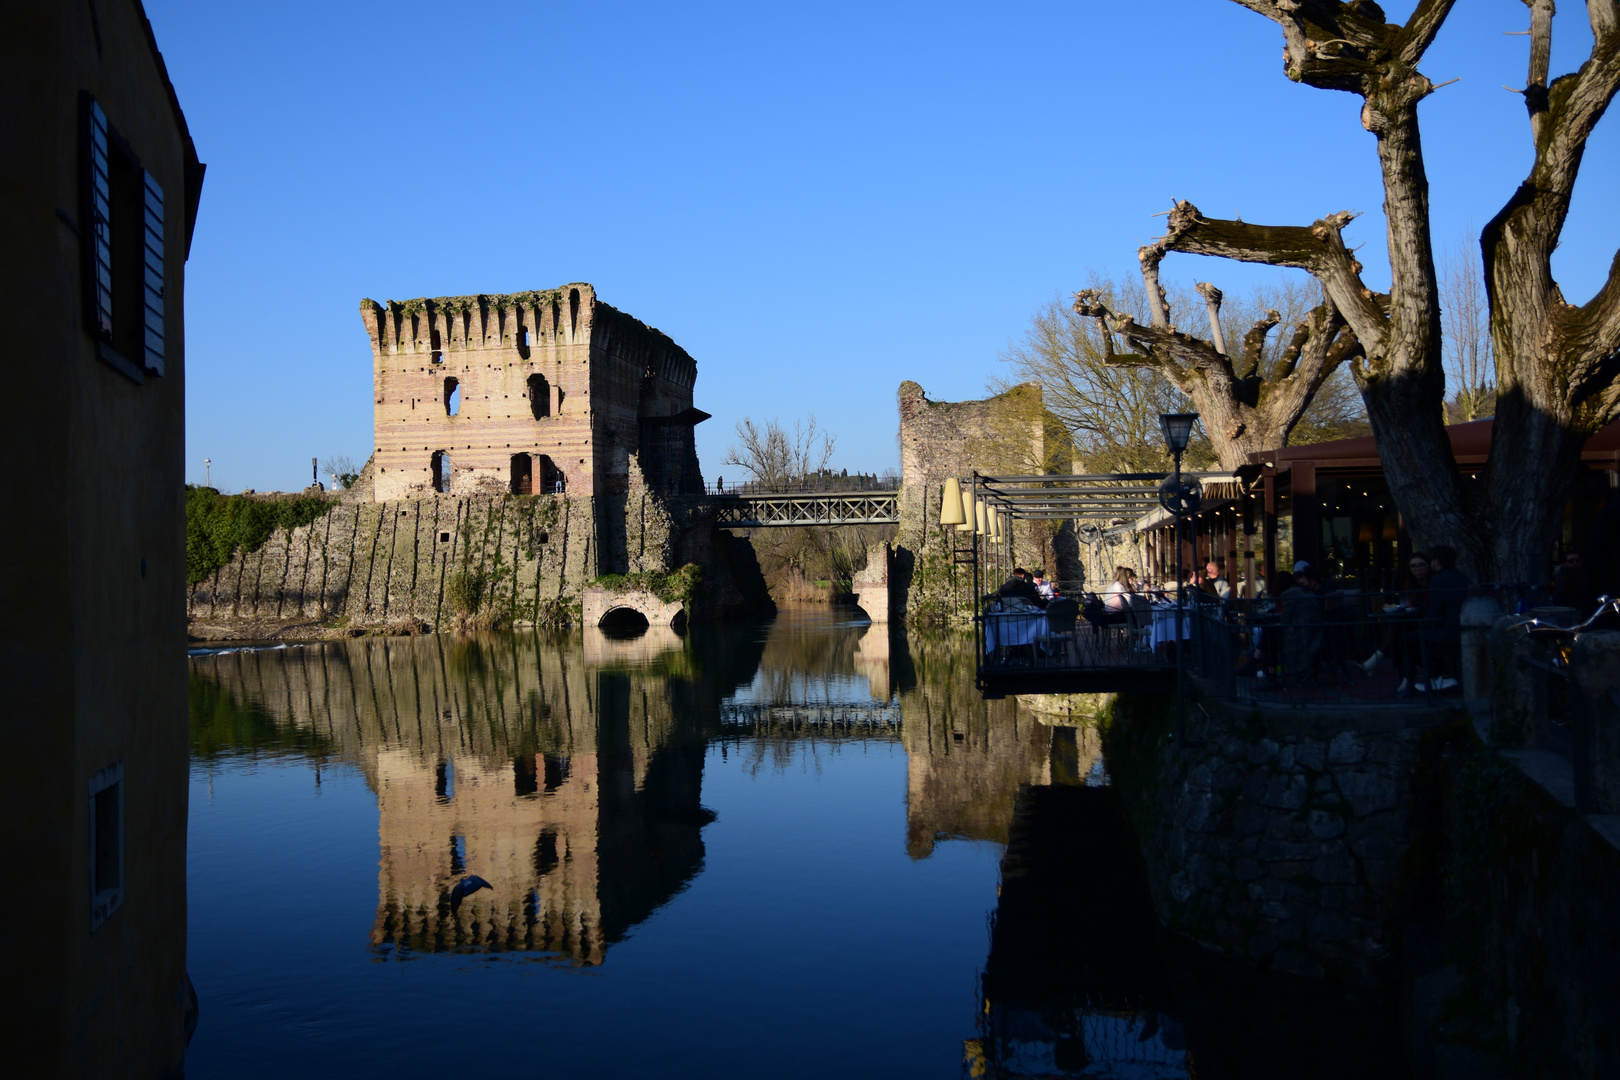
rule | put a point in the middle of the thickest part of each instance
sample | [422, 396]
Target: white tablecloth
[1164, 625]
[1013, 628]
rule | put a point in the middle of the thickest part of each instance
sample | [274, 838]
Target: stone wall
[1278, 836]
[1010, 434]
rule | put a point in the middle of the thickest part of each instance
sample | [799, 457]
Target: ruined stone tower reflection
[567, 774]
[572, 789]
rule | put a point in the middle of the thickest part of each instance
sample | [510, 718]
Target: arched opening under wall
[440, 469]
[623, 622]
[522, 474]
[552, 481]
[539, 396]
[452, 396]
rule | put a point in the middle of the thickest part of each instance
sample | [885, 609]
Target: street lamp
[1177, 428]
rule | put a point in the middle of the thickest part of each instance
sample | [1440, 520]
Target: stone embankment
[414, 564]
[1275, 836]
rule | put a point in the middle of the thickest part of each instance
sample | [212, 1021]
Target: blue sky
[816, 200]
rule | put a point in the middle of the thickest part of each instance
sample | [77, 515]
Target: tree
[1467, 328]
[1556, 363]
[1111, 402]
[1111, 413]
[1249, 403]
[777, 459]
[342, 469]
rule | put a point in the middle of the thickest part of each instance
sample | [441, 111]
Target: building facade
[97, 204]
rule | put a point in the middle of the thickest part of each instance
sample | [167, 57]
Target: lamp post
[1177, 428]
[208, 472]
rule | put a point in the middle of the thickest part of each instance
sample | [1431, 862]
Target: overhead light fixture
[950, 504]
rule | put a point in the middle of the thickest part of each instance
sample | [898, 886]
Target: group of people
[1212, 581]
[1027, 586]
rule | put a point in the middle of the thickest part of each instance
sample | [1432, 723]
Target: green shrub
[675, 587]
[465, 591]
[218, 526]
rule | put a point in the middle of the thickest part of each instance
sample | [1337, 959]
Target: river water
[753, 850]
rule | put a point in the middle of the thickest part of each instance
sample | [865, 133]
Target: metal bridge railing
[840, 508]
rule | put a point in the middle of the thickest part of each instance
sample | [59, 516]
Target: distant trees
[776, 458]
[342, 469]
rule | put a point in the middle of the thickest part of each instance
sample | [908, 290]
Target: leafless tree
[1470, 377]
[342, 469]
[1249, 402]
[776, 458]
[1556, 362]
[1112, 413]
[1112, 401]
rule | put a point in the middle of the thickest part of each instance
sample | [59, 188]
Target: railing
[826, 484]
[763, 511]
[1319, 650]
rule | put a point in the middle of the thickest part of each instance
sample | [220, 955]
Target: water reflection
[569, 774]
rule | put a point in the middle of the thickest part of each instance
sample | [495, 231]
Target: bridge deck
[802, 508]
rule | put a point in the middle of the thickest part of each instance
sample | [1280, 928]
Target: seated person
[1042, 586]
[1118, 595]
[1215, 583]
[1019, 586]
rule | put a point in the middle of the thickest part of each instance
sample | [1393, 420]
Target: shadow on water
[1082, 980]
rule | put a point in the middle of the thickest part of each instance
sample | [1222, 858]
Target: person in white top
[1043, 586]
[1118, 596]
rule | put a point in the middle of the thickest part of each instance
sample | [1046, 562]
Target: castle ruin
[535, 393]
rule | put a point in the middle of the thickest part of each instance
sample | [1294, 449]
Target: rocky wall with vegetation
[1282, 837]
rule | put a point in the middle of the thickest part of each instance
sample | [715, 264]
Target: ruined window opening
[106, 843]
[539, 396]
[523, 342]
[573, 314]
[552, 481]
[452, 396]
[438, 356]
[444, 536]
[442, 468]
[458, 854]
[444, 782]
[522, 475]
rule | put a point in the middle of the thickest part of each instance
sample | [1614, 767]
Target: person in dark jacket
[1448, 588]
[1019, 585]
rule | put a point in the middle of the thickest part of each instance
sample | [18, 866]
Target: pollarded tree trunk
[1556, 363]
[1245, 409]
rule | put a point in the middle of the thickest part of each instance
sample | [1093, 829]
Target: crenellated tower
[547, 392]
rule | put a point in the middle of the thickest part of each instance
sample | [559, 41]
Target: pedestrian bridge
[761, 511]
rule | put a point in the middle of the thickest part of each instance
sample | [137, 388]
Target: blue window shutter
[99, 235]
[152, 274]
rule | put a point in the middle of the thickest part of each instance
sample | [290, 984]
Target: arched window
[452, 397]
[573, 314]
[522, 475]
[441, 470]
[539, 396]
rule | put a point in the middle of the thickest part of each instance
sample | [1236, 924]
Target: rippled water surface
[765, 850]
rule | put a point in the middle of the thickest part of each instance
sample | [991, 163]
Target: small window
[442, 470]
[444, 536]
[452, 397]
[106, 843]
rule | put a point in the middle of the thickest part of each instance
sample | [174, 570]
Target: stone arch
[602, 608]
[623, 619]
